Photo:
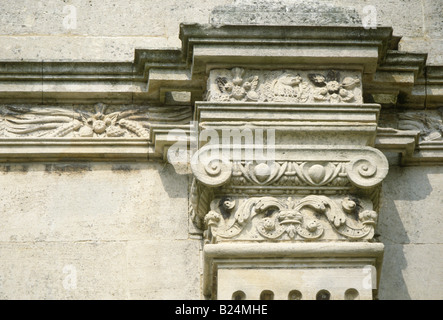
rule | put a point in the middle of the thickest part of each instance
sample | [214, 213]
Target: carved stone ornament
[363, 167]
[430, 126]
[98, 121]
[351, 170]
[278, 219]
[293, 86]
[60, 122]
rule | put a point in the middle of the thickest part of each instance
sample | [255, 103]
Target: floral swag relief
[243, 85]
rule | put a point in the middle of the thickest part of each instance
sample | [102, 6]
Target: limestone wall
[96, 231]
[110, 30]
[118, 231]
[410, 228]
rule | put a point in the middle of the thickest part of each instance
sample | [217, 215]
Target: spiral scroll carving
[367, 172]
[211, 168]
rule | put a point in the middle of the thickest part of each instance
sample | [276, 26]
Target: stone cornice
[388, 72]
[90, 133]
[388, 77]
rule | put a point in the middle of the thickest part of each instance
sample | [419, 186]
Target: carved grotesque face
[289, 215]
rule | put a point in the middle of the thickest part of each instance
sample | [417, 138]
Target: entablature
[365, 64]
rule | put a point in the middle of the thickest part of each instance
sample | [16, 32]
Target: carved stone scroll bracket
[368, 171]
[211, 168]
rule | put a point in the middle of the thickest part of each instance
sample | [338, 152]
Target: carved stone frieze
[98, 121]
[61, 122]
[294, 86]
[310, 218]
[289, 173]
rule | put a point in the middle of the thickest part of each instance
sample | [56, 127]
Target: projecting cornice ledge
[411, 137]
[158, 91]
[390, 76]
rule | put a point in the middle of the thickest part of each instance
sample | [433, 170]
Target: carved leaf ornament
[278, 217]
[59, 122]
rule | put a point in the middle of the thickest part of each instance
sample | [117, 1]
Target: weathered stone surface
[161, 269]
[405, 16]
[63, 270]
[433, 21]
[92, 202]
[412, 272]
[77, 48]
[284, 12]
[119, 229]
[78, 229]
[410, 227]
[410, 212]
[155, 269]
[432, 46]
[125, 25]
